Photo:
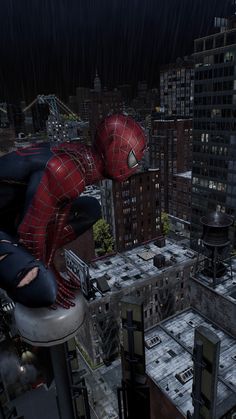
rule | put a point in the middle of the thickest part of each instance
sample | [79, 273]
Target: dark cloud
[54, 45]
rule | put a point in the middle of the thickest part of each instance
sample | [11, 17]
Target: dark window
[209, 43]
[231, 38]
[218, 58]
[199, 46]
[219, 41]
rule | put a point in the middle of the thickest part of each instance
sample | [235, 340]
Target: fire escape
[108, 333]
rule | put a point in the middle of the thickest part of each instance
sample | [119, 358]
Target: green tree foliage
[165, 223]
[102, 236]
[70, 117]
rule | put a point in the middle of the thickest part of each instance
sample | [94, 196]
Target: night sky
[52, 46]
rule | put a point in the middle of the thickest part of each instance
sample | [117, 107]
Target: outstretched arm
[60, 184]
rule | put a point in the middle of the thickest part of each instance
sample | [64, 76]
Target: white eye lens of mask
[132, 161]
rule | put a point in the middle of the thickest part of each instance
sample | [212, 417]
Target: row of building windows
[211, 184]
[215, 73]
[215, 100]
[173, 74]
[215, 42]
[176, 85]
[219, 86]
[221, 175]
[215, 126]
[221, 163]
[215, 113]
[205, 136]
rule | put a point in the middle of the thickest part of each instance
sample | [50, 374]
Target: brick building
[132, 208]
[164, 289]
[170, 150]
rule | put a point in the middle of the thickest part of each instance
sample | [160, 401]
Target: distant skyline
[53, 46]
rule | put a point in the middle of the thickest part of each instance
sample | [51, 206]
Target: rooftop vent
[102, 284]
[159, 261]
[189, 254]
[153, 341]
[147, 255]
[160, 242]
[108, 262]
[171, 353]
[125, 277]
[185, 375]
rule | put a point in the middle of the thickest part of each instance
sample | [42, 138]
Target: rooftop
[227, 285]
[136, 265]
[172, 354]
[93, 191]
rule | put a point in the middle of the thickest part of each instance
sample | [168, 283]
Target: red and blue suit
[41, 208]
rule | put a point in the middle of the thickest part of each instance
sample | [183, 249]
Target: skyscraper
[214, 140]
[97, 83]
[176, 88]
[102, 104]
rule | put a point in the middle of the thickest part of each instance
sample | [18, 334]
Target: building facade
[180, 202]
[164, 289]
[214, 144]
[104, 103]
[176, 89]
[146, 101]
[132, 208]
[170, 150]
[62, 129]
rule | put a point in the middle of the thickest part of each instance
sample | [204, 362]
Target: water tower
[216, 246]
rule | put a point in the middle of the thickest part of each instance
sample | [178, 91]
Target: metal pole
[119, 391]
[214, 267]
[62, 380]
[124, 400]
[130, 329]
[86, 402]
[197, 403]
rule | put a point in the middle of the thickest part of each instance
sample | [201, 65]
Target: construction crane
[3, 110]
[54, 104]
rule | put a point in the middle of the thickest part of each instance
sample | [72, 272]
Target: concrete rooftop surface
[172, 354]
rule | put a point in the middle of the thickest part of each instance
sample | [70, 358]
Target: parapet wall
[215, 306]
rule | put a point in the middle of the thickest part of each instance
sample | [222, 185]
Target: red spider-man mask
[122, 143]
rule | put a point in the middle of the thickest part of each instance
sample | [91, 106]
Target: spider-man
[41, 210]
